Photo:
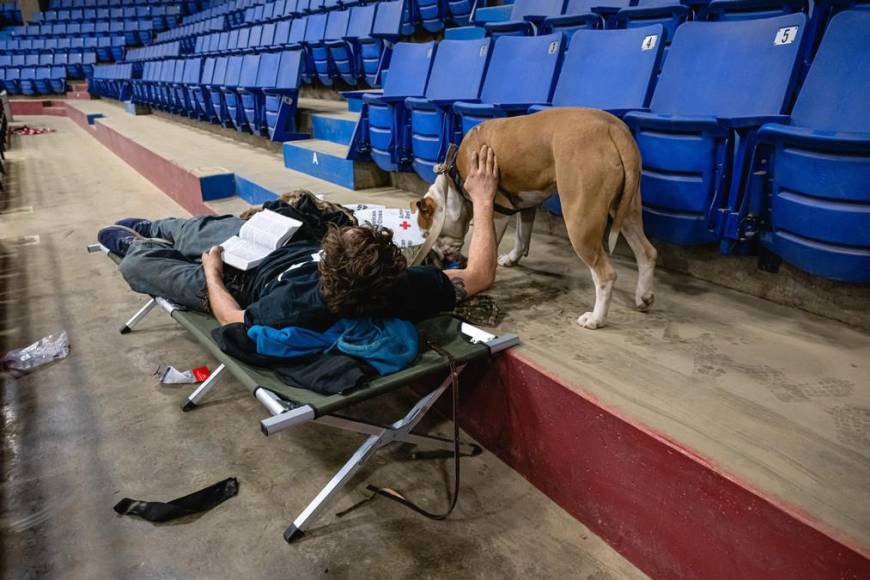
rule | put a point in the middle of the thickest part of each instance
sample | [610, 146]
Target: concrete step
[328, 161]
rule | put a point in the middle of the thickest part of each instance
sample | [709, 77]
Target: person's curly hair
[359, 267]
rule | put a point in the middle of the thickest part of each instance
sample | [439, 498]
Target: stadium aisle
[80, 434]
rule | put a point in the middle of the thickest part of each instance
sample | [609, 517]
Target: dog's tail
[630, 157]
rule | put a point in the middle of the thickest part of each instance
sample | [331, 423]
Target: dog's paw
[589, 321]
[509, 259]
[645, 301]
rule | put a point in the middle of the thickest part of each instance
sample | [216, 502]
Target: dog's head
[443, 197]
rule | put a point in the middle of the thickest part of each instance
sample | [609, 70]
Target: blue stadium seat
[5, 60]
[315, 29]
[46, 59]
[199, 95]
[61, 59]
[118, 48]
[191, 77]
[375, 50]
[104, 48]
[282, 34]
[525, 16]
[51, 44]
[31, 60]
[585, 15]
[235, 112]
[12, 82]
[433, 14]
[42, 81]
[146, 31]
[457, 75]
[3, 81]
[267, 38]
[64, 44]
[73, 29]
[669, 13]
[336, 29]
[74, 68]
[131, 32]
[58, 79]
[254, 37]
[28, 81]
[614, 70]
[694, 139]
[247, 82]
[749, 9]
[345, 52]
[521, 73]
[89, 59]
[383, 130]
[281, 101]
[251, 90]
[819, 163]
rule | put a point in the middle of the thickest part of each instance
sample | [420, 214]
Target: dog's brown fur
[589, 157]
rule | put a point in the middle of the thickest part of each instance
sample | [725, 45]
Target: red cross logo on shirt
[405, 225]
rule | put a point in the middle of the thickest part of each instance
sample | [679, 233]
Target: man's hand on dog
[213, 262]
[482, 181]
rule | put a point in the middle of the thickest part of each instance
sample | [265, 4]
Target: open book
[261, 235]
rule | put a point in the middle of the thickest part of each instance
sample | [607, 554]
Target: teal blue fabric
[387, 345]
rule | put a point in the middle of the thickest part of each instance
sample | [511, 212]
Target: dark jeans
[174, 272]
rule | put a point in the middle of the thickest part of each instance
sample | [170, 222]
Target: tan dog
[589, 157]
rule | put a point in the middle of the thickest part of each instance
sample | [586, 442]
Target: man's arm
[481, 185]
[223, 306]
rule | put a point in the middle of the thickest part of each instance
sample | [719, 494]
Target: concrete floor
[83, 432]
[773, 396]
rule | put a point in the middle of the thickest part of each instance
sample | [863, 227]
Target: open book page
[269, 229]
[243, 254]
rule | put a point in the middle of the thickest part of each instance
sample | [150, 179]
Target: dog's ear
[426, 206]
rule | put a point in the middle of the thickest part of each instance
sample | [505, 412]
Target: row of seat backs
[269, 70]
[44, 59]
[128, 12]
[154, 51]
[225, 8]
[89, 57]
[87, 28]
[122, 71]
[33, 73]
[64, 45]
[378, 20]
[532, 70]
[216, 23]
[747, 69]
[76, 4]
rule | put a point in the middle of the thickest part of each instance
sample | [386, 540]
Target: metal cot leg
[137, 318]
[202, 390]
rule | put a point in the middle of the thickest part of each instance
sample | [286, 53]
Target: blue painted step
[328, 161]
[334, 127]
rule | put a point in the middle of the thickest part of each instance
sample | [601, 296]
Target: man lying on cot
[330, 270]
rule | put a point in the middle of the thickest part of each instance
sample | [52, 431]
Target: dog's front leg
[525, 223]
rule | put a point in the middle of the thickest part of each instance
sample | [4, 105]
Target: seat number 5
[785, 35]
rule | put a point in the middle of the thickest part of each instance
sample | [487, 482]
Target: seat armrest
[645, 120]
[676, 10]
[467, 107]
[539, 108]
[845, 141]
[753, 121]
[621, 113]
[510, 26]
[572, 20]
[379, 99]
[420, 104]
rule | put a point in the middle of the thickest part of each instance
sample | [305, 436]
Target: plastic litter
[28, 130]
[170, 375]
[41, 352]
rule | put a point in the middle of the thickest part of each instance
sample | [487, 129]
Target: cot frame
[284, 415]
